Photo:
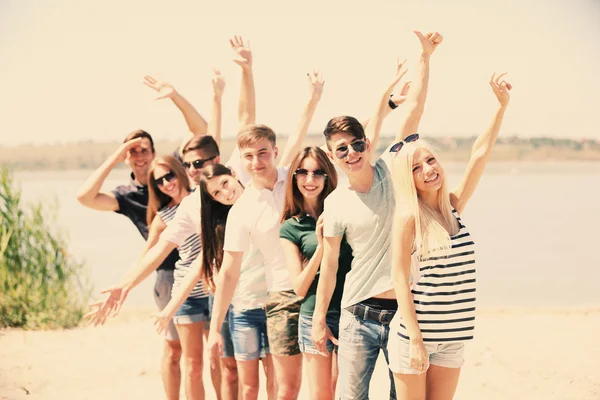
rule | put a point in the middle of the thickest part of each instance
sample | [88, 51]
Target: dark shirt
[301, 232]
[133, 203]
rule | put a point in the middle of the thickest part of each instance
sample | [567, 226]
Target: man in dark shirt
[131, 200]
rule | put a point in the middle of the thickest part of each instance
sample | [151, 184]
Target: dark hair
[343, 124]
[156, 198]
[140, 134]
[253, 133]
[206, 143]
[293, 205]
[213, 216]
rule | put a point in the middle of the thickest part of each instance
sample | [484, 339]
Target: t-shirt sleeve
[120, 193]
[288, 232]
[332, 222]
[237, 234]
[182, 225]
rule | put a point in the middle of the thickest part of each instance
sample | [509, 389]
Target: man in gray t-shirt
[363, 211]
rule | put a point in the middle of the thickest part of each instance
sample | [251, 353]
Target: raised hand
[164, 89]
[218, 82]
[429, 41]
[501, 89]
[243, 53]
[315, 84]
[123, 151]
[399, 95]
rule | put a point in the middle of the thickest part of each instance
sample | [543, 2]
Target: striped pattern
[444, 295]
[188, 252]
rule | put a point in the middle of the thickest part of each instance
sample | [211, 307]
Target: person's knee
[250, 391]
[173, 351]
[229, 370]
[194, 366]
[288, 390]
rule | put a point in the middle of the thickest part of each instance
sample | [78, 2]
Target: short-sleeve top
[301, 232]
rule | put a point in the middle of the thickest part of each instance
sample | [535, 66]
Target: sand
[517, 354]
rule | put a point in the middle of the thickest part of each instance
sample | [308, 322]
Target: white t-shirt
[251, 291]
[366, 220]
[253, 222]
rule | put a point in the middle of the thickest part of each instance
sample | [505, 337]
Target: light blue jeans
[360, 343]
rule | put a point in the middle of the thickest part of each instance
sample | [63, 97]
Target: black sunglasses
[317, 174]
[358, 146]
[198, 164]
[398, 146]
[167, 177]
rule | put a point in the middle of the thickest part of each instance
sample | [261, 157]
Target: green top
[301, 232]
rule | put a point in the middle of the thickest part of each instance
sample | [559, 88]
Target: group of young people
[324, 258]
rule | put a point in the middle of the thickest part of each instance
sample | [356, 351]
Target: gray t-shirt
[366, 219]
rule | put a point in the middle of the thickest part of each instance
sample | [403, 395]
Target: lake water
[535, 226]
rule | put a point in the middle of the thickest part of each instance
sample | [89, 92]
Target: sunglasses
[303, 174]
[198, 164]
[358, 146]
[167, 177]
[398, 146]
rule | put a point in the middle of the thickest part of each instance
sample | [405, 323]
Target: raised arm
[417, 96]
[247, 103]
[303, 276]
[294, 142]
[373, 128]
[227, 281]
[480, 153]
[196, 124]
[214, 126]
[90, 195]
[327, 282]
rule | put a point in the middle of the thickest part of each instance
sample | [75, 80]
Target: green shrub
[41, 285]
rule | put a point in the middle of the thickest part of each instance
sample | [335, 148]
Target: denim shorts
[305, 331]
[449, 355]
[225, 331]
[162, 296]
[191, 311]
[249, 333]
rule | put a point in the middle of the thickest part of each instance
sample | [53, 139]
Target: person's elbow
[299, 290]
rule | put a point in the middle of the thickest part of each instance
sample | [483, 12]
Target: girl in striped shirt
[433, 266]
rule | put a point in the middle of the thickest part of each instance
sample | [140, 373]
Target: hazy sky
[70, 70]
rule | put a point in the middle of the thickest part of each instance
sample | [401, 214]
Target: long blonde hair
[430, 233]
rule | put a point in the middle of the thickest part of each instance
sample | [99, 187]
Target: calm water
[535, 226]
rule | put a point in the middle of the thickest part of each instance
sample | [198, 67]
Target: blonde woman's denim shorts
[448, 355]
[193, 310]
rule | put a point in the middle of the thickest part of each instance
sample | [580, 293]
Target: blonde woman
[433, 266]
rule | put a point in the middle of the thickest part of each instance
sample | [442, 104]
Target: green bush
[41, 286]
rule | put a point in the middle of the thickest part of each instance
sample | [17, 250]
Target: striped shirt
[444, 292]
[188, 252]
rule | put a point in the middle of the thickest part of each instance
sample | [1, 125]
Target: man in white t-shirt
[363, 212]
[253, 223]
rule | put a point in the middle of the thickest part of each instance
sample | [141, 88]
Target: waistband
[372, 314]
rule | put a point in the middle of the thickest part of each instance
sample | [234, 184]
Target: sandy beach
[517, 354]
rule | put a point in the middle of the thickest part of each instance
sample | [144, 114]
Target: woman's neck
[177, 199]
[431, 199]
[312, 207]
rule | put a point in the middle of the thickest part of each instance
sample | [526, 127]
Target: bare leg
[441, 382]
[170, 369]
[410, 386]
[229, 379]
[192, 347]
[270, 374]
[287, 375]
[319, 376]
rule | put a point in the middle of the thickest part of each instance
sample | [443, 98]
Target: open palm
[165, 89]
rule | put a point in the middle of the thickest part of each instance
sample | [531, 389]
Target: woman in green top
[311, 178]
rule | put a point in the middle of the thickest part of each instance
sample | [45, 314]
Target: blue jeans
[360, 343]
[305, 331]
[249, 334]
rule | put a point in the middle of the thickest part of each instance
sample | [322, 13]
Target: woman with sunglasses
[433, 263]
[168, 186]
[312, 178]
[219, 190]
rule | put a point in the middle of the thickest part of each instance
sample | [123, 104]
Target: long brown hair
[294, 201]
[157, 199]
[213, 216]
